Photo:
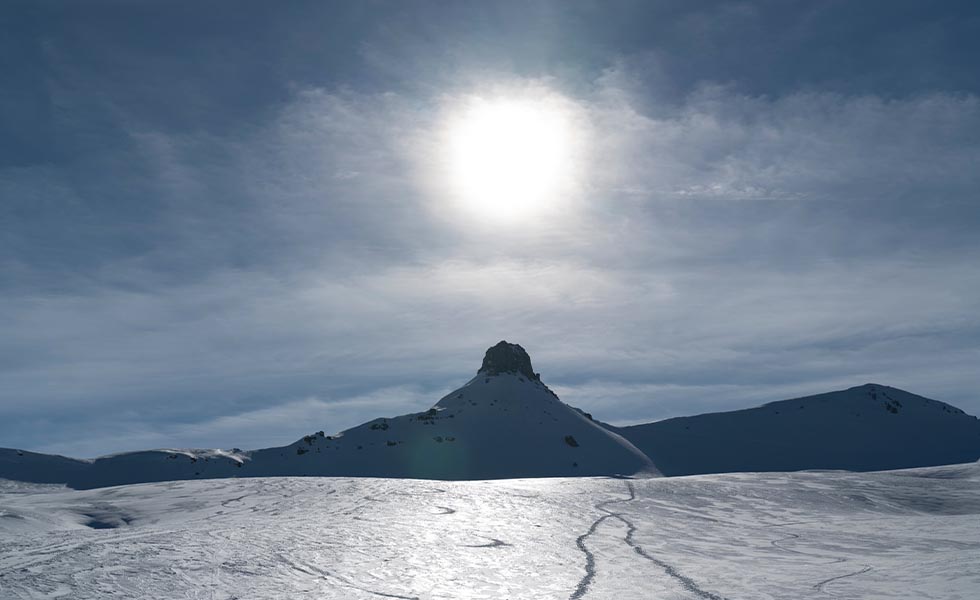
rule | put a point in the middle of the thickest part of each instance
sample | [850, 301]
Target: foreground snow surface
[900, 534]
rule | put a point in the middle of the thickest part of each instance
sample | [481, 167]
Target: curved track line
[795, 536]
[820, 586]
[586, 581]
[832, 560]
[687, 582]
[590, 570]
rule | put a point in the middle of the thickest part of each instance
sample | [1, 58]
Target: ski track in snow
[583, 585]
[590, 563]
[820, 586]
[795, 536]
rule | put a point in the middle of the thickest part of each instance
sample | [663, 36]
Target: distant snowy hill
[503, 423]
[21, 465]
[506, 423]
[867, 428]
[117, 469]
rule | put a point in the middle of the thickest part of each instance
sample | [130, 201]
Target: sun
[510, 158]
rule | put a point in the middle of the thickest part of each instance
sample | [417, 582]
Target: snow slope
[21, 465]
[866, 428]
[764, 536]
[501, 425]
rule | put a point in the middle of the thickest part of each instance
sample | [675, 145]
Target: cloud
[276, 424]
[182, 286]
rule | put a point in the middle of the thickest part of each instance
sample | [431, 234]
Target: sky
[229, 224]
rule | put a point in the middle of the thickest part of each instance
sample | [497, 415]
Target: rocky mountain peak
[507, 358]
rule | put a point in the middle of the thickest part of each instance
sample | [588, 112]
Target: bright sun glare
[510, 158]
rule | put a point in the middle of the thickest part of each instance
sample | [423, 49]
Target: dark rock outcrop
[507, 358]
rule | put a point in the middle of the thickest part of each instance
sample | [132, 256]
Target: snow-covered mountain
[866, 428]
[503, 423]
[506, 423]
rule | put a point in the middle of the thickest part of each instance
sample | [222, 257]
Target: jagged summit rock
[507, 358]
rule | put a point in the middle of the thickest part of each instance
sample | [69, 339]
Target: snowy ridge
[21, 465]
[870, 427]
[506, 423]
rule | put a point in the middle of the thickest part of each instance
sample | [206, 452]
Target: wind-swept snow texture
[867, 428]
[901, 534]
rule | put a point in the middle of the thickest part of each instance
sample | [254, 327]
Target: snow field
[899, 534]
